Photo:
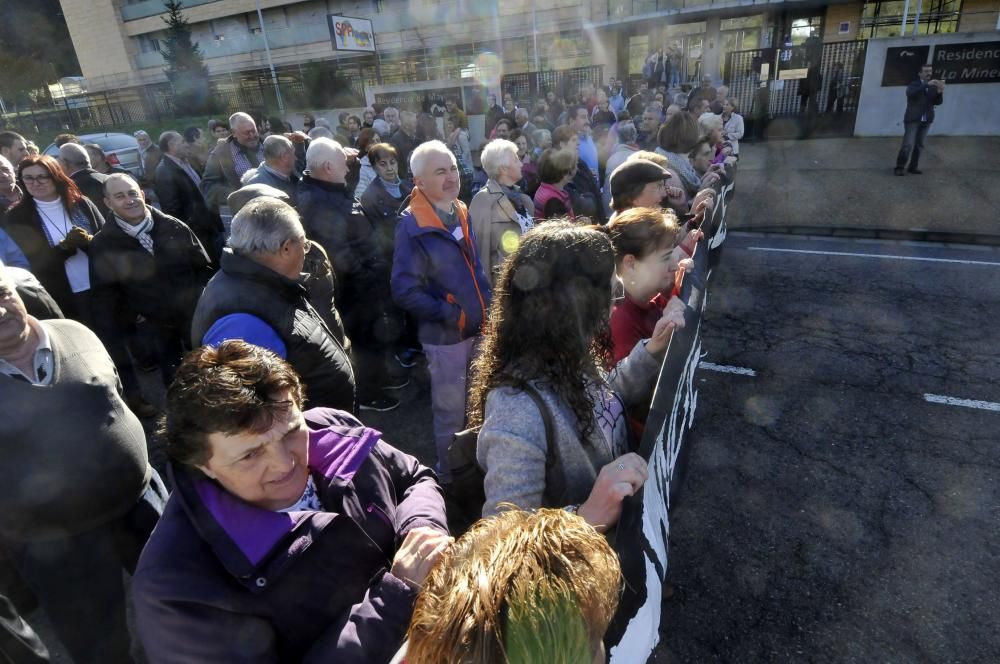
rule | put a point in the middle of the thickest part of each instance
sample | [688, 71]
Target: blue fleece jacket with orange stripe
[436, 273]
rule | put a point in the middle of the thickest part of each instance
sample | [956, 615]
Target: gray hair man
[278, 168]
[230, 159]
[258, 296]
[437, 277]
[178, 188]
[75, 161]
[334, 218]
[80, 497]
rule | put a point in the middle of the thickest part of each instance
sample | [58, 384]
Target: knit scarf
[141, 232]
[240, 162]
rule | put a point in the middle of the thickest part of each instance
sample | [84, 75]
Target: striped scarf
[76, 218]
[141, 232]
[240, 162]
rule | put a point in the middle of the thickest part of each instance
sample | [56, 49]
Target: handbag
[466, 494]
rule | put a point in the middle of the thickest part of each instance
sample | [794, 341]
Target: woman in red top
[648, 257]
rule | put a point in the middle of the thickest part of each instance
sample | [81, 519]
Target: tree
[186, 68]
[35, 49]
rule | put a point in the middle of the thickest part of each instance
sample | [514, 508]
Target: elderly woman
[291, 534]
[53, 225]
[732, 125]
[500, 213]
[711, 129]
[556, 169]
[676, 139]
[385, 195]
[366, 138]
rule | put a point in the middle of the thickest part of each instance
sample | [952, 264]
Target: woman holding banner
[548, 334]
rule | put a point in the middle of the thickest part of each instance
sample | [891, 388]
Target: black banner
[643, 530]
[902, 64]
[967, 63]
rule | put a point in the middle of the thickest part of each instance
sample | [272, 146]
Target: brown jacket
[494, 222]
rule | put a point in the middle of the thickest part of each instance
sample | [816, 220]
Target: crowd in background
[282, 282]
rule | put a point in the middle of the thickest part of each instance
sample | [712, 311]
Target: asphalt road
[831, 513]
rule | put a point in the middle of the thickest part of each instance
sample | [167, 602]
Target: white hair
[709, 121]
[74, 153]
[322, 150]
[239, 118]
[277, 146]
[418, 158]
[263, 225]
[323, 122]
[497, 154]
[320, 132]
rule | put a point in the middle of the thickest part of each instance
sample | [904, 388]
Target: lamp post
[270, 63]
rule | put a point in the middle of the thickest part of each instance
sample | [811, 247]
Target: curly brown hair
[548, 321]
[229, 389]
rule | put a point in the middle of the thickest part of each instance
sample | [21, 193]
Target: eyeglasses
[33, 179]
[307, 245]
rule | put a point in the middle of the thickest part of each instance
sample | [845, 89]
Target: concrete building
[118, 42]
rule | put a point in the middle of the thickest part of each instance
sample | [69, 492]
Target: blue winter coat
[223, 581]
[436, 274]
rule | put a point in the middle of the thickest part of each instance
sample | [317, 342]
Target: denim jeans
[913, 142]
[78, 579]
[449, 368]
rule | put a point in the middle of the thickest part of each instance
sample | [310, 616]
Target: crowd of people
[282, 283]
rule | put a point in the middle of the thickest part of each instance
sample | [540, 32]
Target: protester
[391, 116]
[711, 126]
[638, 102]
[79, 495]
[31, 148]
[197, 150]
[146, 263]
[522, 587]
[219, 130]
[13, 147]
[647, 258]
[556, 169]
[650, 125]
[721, 94]
[626, 145]
[922, 95]
[257, 296]
[75, 162]
[676, 138]
[437, 277]
[278, 168]
[291, 535]
[676, 197]
[369, 117]
[404, 139]
[457, 139]
[99, 160]
[529, 166]
[53, 225]
[637, 183]
[332, 217]
[551, 310]
[500, 213]
[701, 156]
[583, 189]
[230, 159]
[732, 125]
[10, 192]
[177, 186]
[384, 197]
[366, 173]
[149, 157]
[502, 128]
[494, 112]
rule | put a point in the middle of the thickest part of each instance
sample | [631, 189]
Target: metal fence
[743, 69]
[533, 85]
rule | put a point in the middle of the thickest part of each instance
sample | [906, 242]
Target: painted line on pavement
[886, 256]
[965, 403]
[724, 368]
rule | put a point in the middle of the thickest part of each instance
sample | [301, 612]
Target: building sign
[792, 74]
[967, 63]
[417, 99]
[902, 64]
[351, 34]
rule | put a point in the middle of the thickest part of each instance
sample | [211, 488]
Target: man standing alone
[922, 95]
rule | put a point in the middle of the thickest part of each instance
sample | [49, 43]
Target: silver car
[120, 150]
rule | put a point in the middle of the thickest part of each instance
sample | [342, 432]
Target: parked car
[120, 150]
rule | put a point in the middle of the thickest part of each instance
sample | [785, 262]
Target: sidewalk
[845, 186]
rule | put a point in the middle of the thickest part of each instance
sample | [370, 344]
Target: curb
[912, 235]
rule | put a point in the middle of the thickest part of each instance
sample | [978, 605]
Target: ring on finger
[621, 466]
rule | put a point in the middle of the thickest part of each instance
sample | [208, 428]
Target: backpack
[466, 495]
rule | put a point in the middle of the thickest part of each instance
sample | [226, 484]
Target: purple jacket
[223, 581]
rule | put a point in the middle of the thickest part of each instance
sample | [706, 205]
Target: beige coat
[494, 221]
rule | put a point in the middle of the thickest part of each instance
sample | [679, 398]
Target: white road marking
[886, 256]
[724, 368]
[965, 403]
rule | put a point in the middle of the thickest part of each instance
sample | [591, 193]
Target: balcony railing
[248, 43]
[136, 10]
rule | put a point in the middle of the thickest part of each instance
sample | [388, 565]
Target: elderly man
[278, 168]
[75, 162]
[230, 159]
[177, 187]
[333, 218]
[391, 116]
[10, 192]
[146, 263]
[404, 140]
[523, 120]
[721, 94]
[437, 277]
[13, 147]
[258, 296]
[149, 157]
[292, 535]
[79, 495]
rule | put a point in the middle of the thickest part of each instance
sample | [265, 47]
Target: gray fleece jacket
[511, 444]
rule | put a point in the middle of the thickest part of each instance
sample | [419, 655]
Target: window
[638, 51]
[148, 44]
[804, 28]
[885, 19]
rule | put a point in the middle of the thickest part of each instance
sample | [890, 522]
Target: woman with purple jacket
[290, 536]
